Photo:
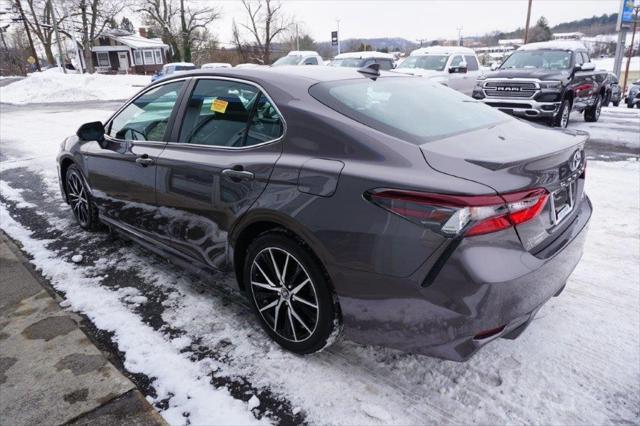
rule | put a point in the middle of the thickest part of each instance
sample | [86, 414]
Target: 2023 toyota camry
[385, 207]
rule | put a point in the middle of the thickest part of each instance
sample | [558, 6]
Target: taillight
[470, 215]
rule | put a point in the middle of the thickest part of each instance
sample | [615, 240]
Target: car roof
[362, 55]
[555, 45]
[303, 53]
[443, 50]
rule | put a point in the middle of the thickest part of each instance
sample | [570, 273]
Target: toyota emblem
[576, 160]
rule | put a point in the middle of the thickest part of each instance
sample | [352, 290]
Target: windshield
[539, 59]
[397, 106]
[347, 62]
[427, 62]
[287, 60]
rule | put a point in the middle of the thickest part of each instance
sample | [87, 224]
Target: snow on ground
[578, 363]
[54, 86]
[617, 126]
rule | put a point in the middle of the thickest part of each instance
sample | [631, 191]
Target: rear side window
[414, 109]
[472, 63]
[385, 64]
[266, 124]
[217, 113]
[146, 117]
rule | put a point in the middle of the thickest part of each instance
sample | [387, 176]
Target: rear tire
[80, 200]
[290, 293]
[616, 103]
[592, 114]
[561, 119]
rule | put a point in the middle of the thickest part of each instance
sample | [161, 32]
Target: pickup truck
[545, 80]
[453, 66]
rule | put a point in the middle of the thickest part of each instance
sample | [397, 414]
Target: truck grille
[510, 89]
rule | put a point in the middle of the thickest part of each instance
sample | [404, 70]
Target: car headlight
[550, 84]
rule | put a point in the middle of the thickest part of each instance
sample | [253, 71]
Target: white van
[454, 66]
[300, 57]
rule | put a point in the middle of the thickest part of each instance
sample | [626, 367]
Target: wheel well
[254, 230]
[64, 166]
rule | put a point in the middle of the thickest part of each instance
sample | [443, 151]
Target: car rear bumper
[485, 289]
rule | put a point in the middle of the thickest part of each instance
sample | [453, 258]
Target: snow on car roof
[556, 44]
[302, 53]
[182, 64]
[361, 55]
[216, 65]
[443, 50]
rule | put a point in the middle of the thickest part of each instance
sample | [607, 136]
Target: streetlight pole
[297, 38]
[338, 21]
[526, 27]
[459, 35]
[73, 37]
[55, 29]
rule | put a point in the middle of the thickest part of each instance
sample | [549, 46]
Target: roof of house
[132, 40]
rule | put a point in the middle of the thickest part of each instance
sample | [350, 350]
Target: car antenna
[371, 71]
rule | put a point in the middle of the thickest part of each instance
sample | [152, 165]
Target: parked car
[342, 201]
[212, 65]
[172, 68]
[545, 80]
[363, 59]
[300, 57]
[613, 91]
[633, 95]
[453, 66]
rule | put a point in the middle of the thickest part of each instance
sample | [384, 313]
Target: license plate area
[562, 202]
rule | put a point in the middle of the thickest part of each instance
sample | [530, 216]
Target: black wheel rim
[564, 118]
[78, 198]
[284, 294]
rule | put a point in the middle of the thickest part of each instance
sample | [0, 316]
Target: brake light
[470, 215]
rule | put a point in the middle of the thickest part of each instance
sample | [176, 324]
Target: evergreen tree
[126, 25]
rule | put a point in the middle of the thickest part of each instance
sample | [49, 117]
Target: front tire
[562, 118]
[592, 114]
[290, 294]
[80, 200]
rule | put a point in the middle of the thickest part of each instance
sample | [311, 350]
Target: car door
[225, 148]
[583, 82]
[473, 71]
[121, 170]
[455, 79]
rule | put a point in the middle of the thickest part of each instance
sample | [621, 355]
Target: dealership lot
[187, 342]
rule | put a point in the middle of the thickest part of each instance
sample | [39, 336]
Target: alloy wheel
[598, 108]
[78, 198]
[284, 294]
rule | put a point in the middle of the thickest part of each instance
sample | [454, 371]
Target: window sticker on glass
[220, 106]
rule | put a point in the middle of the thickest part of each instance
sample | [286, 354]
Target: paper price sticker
[218, 105]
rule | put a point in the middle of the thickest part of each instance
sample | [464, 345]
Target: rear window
[410, 108]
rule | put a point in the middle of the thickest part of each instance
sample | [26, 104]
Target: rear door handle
[238, 175]
[144, 160]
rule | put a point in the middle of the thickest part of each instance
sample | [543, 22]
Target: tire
[629, 105]
[80, 200]
[302, 315]
[616, 103]
[562, 118]
[592, 114]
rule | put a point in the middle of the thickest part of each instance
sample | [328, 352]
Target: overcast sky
[426, 19]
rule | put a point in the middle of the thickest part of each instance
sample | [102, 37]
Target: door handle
[144, 160]
[237, 175]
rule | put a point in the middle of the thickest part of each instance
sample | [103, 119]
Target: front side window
[347, 62]
[103, 59]
[385, 64]
[217, 113]
[457, 61]
[539, 59]
[146, 118]
[311, 61]
[472, 63]
[427, 62]
[396, 106]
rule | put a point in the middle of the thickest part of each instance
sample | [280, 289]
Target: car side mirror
[462, 69]
[93, 131]
[494, 66]
[588, 66]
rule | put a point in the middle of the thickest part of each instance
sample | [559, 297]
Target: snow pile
[607, 63]
[54, 86]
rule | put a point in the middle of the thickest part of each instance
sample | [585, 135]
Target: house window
[103, 59]
[137, 57]
[148, 57]
[158, 55]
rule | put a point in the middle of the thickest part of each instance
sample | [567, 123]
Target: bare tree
[40, 21]
[266, 23]
[95, 16]
[180, 24]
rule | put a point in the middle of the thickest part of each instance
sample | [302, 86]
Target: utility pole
[338, 21]
[526, 27]
[26, 28]
[54, 20]
[297, 38]
[459, 35]
[633, 37]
